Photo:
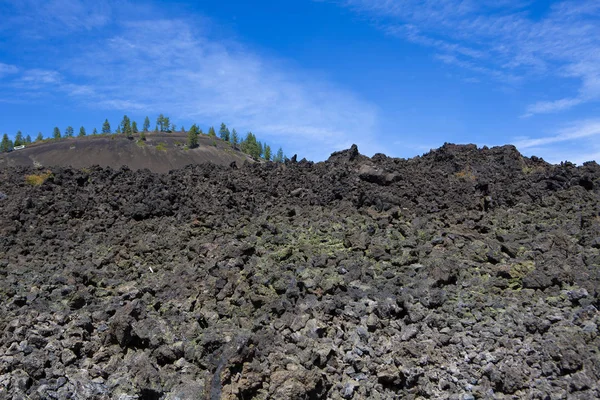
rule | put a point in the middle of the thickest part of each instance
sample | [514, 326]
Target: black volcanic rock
[464, 273]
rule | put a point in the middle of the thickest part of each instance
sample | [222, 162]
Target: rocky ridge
[465, 273]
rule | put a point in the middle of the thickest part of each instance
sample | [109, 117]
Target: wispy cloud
[7, 69]
[503, 39]
[170, 66]
[559, 145]
[57, 17]
[163, 65]
[36, 78]
[579, 130]
[38, 82]
[544, 107]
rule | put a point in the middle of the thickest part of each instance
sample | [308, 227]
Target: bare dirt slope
[463, 274]
[161, 152]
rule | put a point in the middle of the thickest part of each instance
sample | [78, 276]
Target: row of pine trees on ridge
[249, 144]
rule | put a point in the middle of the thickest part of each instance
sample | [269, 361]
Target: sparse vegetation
[162, 146]
[465, 174]
[125, 127]
[193, 134]
[279, 157]
[532, 169]
[211, 132]
[146, 126]
[234, 138]
[6, 144]
[106, 126]
[38, 179]
[163, 123]
[249, 145]
[224, 133]
[18, 139]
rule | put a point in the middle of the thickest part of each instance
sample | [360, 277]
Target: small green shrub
[161, 146]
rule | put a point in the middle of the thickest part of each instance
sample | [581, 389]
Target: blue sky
[313, 76]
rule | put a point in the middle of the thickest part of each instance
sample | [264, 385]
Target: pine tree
[39, 137]
[81, 131]
[126, 126]
[163, 123]
[6, 144]
[146, 126]
[182, 129]
[27, 139]
[106, 126]
[224, 132]
[193, 134]
[211, 132]
[234, 138]
[134, 128]
[56, 133]
[279, 156]
[118, 131]
[18, 138]
[69, 131]
[251, 146]
[95, 132]
[267, 152]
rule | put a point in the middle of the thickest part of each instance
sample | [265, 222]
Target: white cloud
[37, 77]
[164, 66]
[57, 17]
[502, 39]
[7, 69]
[543, 107]
[579, 130]
[576, 142]
[144, 64]
[37, 82]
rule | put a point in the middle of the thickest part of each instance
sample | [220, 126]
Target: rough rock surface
[465, 273]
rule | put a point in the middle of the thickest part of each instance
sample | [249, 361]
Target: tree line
[247, 144]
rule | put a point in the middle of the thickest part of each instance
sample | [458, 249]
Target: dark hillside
[161, 152]
[465, 273]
